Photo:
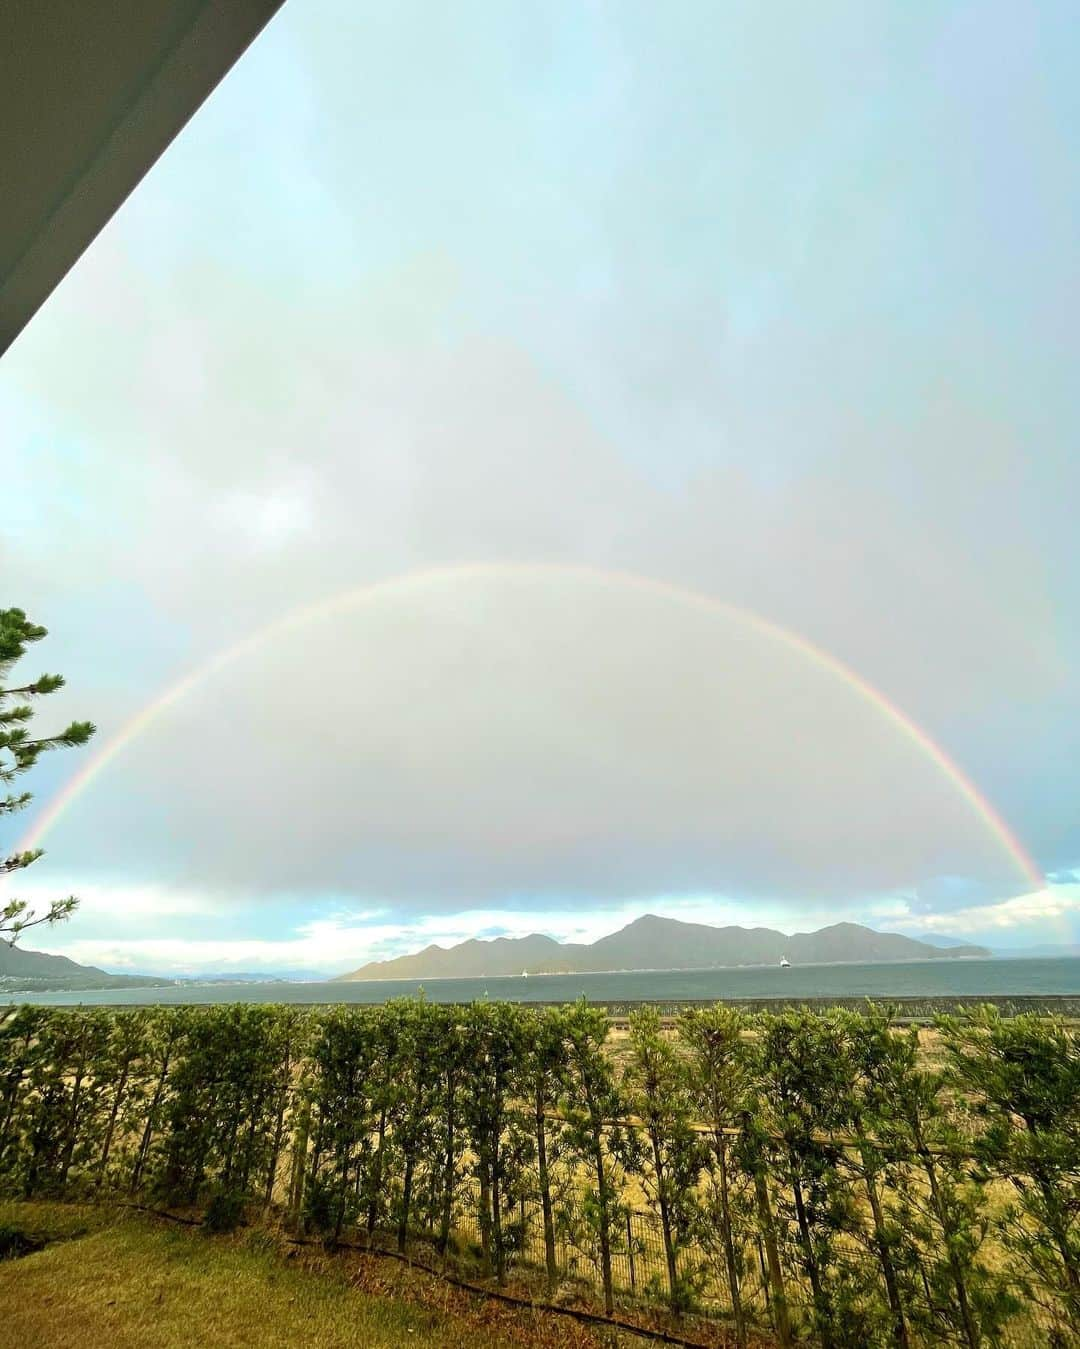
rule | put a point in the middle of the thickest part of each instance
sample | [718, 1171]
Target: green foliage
[669, 1155]
[817, 1172]
[224, 1211]
[544, 1081]
[19, 752]
[717, 1074]
[934, 1232]
[221, 1110]
[1022, 1079]
[344, 1069]
[494, 1047]
[804, 1078]
[598, 1138]
[15, 1243]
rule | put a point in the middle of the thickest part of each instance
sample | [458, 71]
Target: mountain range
[653, 943]
[23, 971]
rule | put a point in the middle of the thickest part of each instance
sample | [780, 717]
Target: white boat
[785, 964]
[524, 974]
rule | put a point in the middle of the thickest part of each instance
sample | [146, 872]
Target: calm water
[921, 978]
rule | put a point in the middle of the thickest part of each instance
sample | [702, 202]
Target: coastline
[944, 958]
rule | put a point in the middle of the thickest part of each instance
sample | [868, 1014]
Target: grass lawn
[118, 1280]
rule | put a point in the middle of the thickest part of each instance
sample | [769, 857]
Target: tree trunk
[729, 1243]
[432, 1205]
[110, 1128]
[1058, 1223]
[151, 1115]
[605, 1224]
[665, 1220]
[406, 1199]
[343, 1188]
[448, 1172]
[496, 1216]
[772, 1255]
[231, 1148]
[811, 1261]
[9, 1112]
[249, 1146]
[275, 1151]
[971, 1329]
[40, 1138]
[881, 1240]
[485, 1209]
[299, 1163]
[316, 1152]
[11, 1092]
[73, 1122]
[545, 1191]
[376, 1175]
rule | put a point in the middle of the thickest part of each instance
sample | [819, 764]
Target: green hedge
[813, 1171]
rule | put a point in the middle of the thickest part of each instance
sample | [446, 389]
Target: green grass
[119, 1280]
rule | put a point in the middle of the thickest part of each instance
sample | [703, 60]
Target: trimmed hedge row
[824, 1173]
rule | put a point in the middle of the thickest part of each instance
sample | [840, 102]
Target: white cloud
[348, 938]
[103, 903]
[269, 519]
[502, 735]
[340, 347]
[323, 946]
[1044, 913]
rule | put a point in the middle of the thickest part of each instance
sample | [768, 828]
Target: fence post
[630, 1252]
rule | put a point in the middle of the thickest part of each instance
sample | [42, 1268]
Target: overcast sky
[781, 310]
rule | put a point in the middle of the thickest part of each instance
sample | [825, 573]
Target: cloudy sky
[567, 460]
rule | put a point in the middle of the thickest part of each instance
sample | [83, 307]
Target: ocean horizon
[933, 978]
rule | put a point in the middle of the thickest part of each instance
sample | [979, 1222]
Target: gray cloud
[818, 369]
[533, 735]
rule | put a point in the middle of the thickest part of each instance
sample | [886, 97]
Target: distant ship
[785, 964]
[524, 974]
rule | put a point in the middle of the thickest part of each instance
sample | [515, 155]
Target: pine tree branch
[78, 733]
[16, 916]
[18, 753]
[45, 683]
[19, 861]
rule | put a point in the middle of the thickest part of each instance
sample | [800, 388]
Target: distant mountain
[248, 977]
[937, 939]
[23, 971]
[503, 955]
[652, 943]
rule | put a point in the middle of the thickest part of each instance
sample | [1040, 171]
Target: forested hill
[652, 943]
[27, 971]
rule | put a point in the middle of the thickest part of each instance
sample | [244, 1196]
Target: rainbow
[398, 586]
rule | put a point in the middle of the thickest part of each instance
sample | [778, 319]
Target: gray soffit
[91, 92]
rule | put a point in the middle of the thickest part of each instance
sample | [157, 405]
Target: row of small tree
[827, 1173]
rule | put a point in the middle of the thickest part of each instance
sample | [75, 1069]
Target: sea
[944, 977]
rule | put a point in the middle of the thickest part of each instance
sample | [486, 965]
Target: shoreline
[909, 1009]
[672, 969]
[1030, 982]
